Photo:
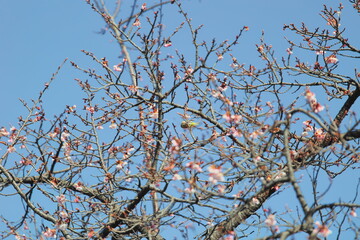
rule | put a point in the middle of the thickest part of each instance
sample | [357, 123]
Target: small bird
[188, 124]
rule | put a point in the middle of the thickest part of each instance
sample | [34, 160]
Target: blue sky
[36, 36]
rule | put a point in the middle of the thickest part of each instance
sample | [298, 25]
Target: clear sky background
[36, 36]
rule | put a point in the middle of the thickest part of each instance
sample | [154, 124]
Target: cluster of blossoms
[331, 59]
[310, 97]
[319, 133]
[154, 112]
[194, 166]
[307, 128]
[215, 174]
[322, 230]
[50, 233]
[175, 145]
[229, 118]
[219, 95]
[12, 135]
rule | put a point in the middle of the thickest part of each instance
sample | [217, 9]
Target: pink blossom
[188, 73]
[63, 214]
[227, 116]
[176, 177]
[143, 7]
[288, 50]
[113, 125]
[189, 190]
[11, 149]
[212, 76]
[255, 201]
[53, 134]
[319, 134]
[79, 186]
[216, 94]
[72, 109]
[322, 230]
[176, 144]
[222, 87]
[61, 225]
[194, 166]
[270, 220]
[117, 68]
[320, 52]
[353, 213]
[61, 199]
[65, 135]
[236, 118]
[308, 126]
[235, 132]
[120, 164]
[154, 114]
[317, 107]
[219, 56]
[221, 188]
[331, 59]
[293, 154]
[4, 132]
[137, 22]
[133, 88]
[310, 97]
[50, 233]
[215, 174]
[91, 109]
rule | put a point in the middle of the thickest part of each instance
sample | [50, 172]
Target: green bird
[188, 124]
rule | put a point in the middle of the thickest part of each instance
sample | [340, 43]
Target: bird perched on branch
[188, 124]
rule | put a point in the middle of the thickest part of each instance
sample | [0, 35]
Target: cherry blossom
[319, 134]
[176, 144]
[4, 132]
[322, 230]
[270, 220]
[353, 213]
[189, 190]
[63, 214]
[117, 68]
[215, 174]
[194, 166]
[255, 201]
[176, 177]
[120, 164]
[11, 149]
[219, 56]
[65, 135]
[154, 113]
[331, 59]
[320, 52]
[91, 109]
[113, 125]
[315, 106]
[61, 199]
[133, 88]
[50, 233]
[289, 51]
[137, 23]
[79, 186]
